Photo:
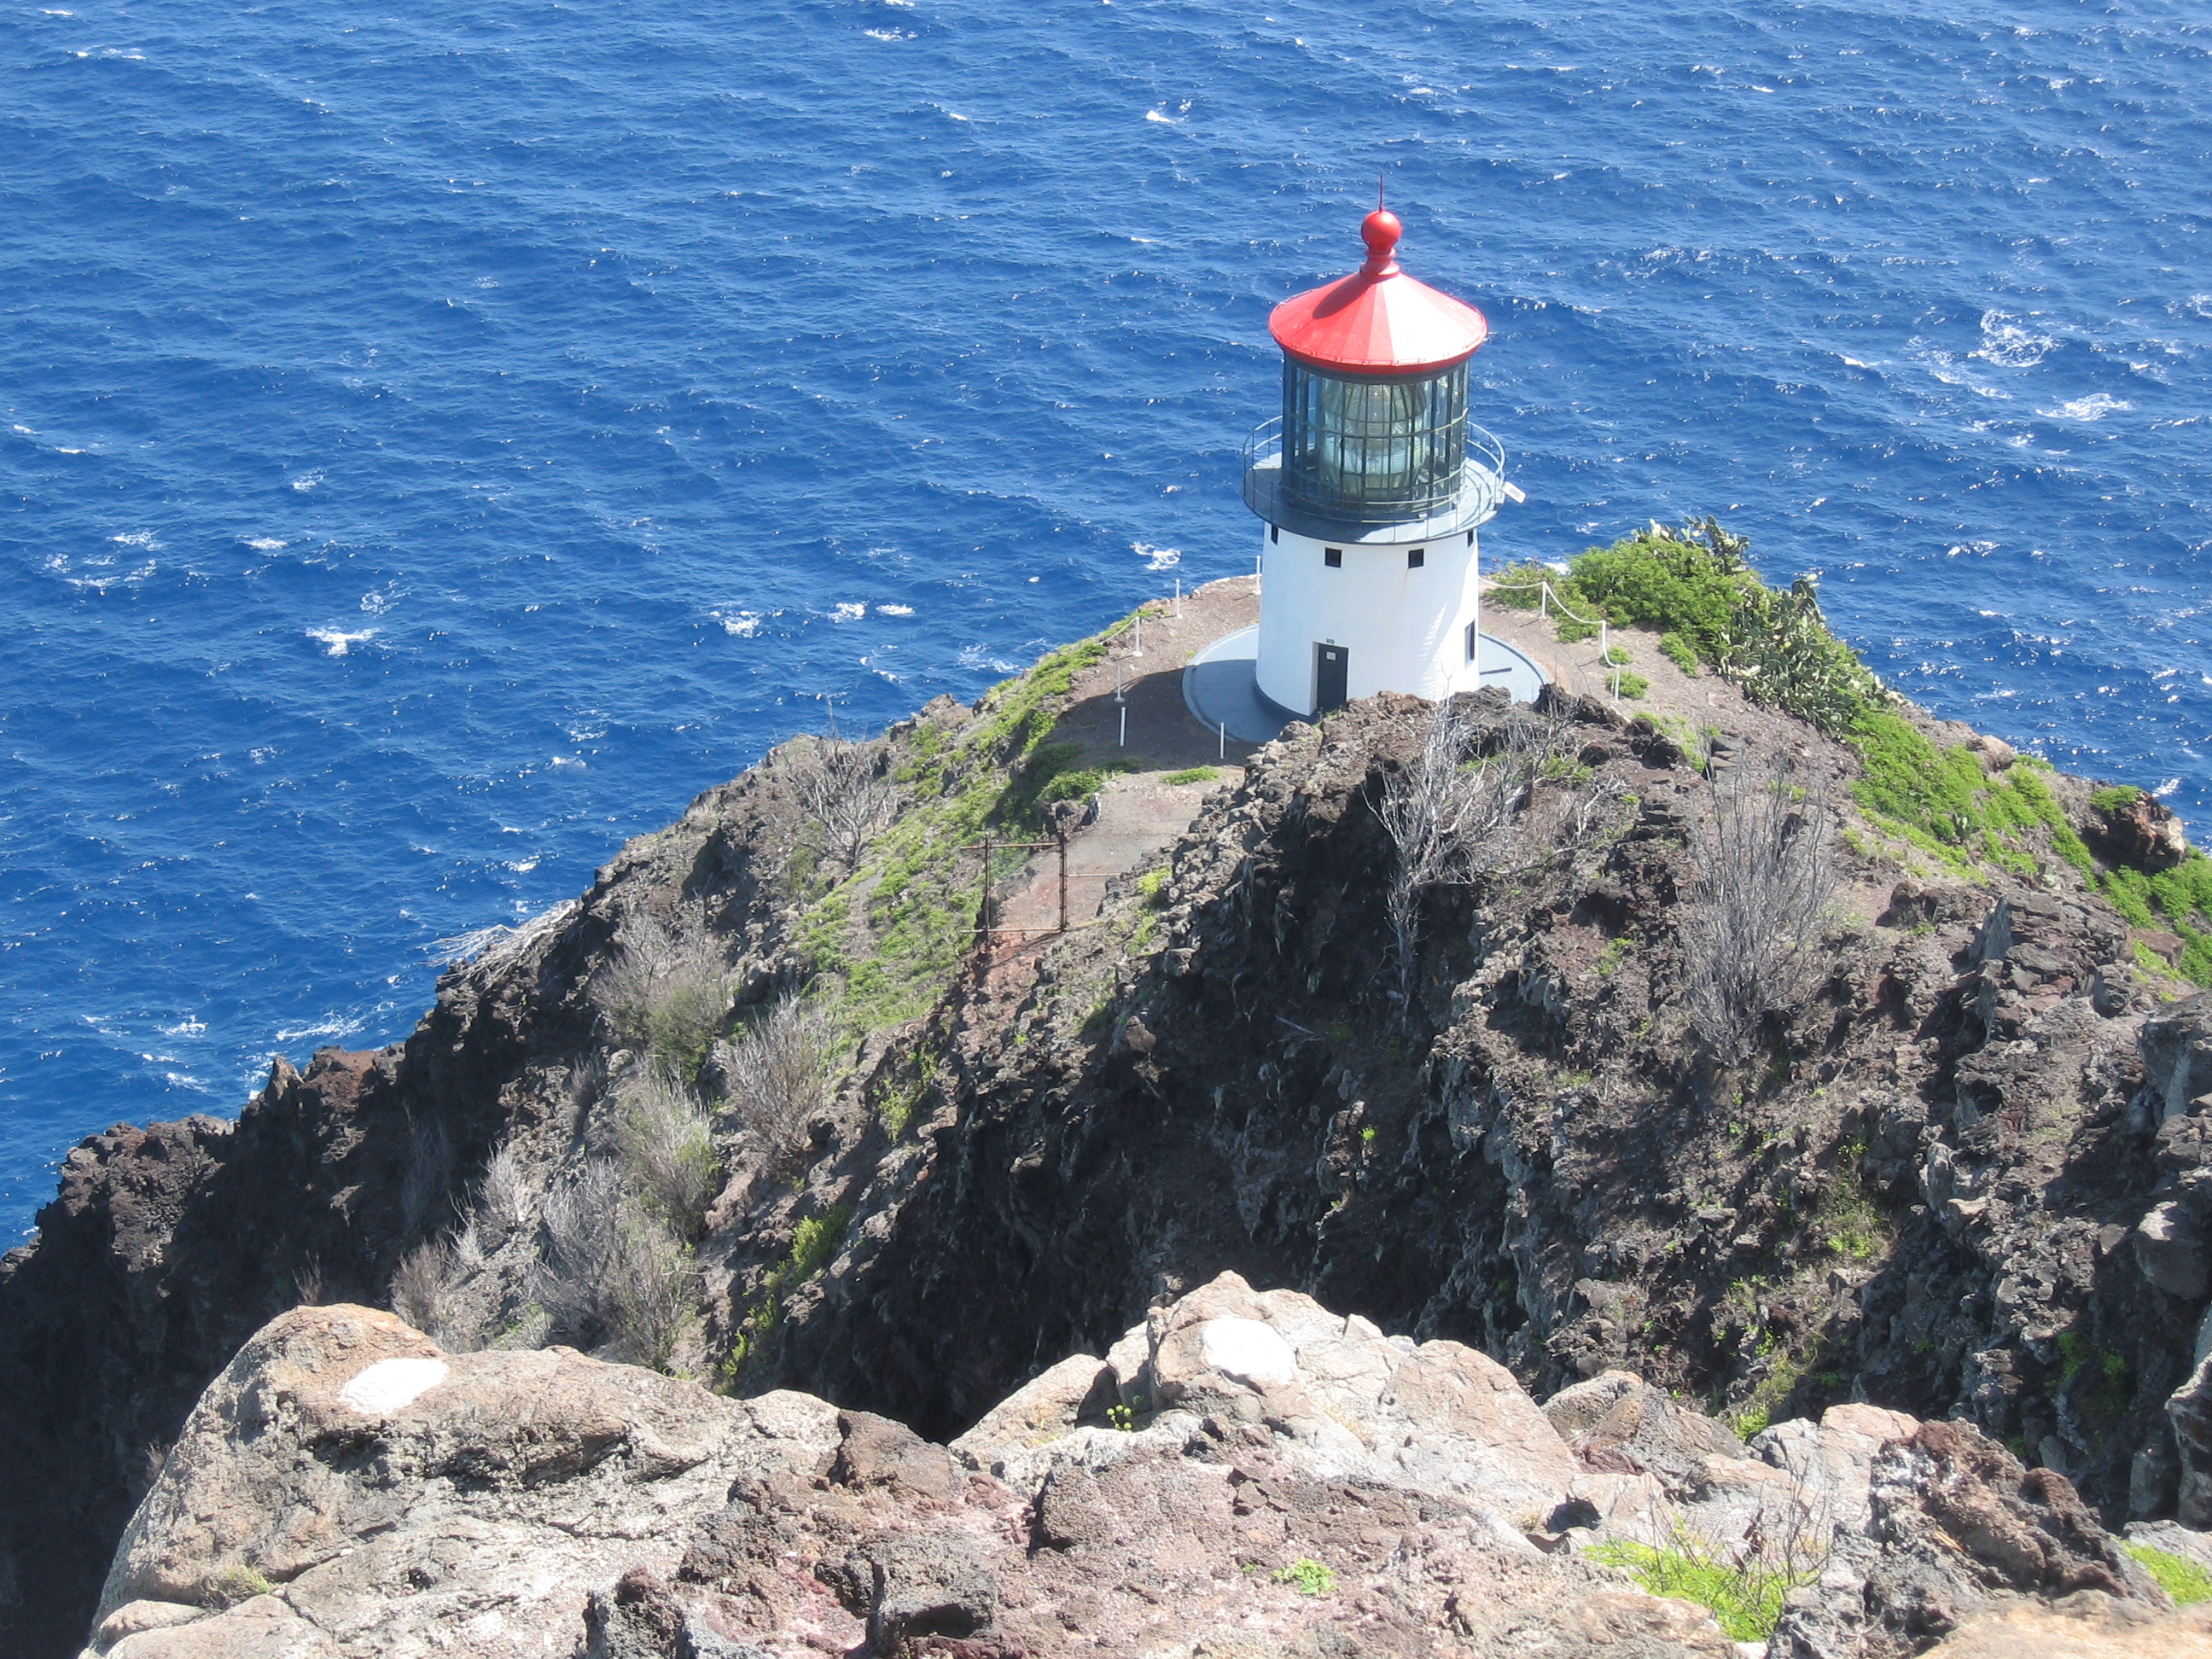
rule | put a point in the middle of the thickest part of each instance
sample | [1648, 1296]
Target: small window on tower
[1416, 558]
[1332, 558]
[1473, 643]
[1274, 532]
[1470, 539]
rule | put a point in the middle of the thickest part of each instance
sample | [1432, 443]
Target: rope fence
[1549, 596]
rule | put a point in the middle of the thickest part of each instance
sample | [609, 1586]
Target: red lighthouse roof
[1378, 320]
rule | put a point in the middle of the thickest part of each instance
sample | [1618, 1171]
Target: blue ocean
[437, 440]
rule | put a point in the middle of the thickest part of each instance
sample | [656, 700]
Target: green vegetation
[2179, 1576]
[2100, 1379]
[894, 929]
[1628, 684]
[1694, 584]
[1193, 774]
[1616, 657]
[1307, 1577]
[1609, 959]
[813, 1242]
[1847, 1223]
[1680, 652]
[1152, 885]
[1744, 1597]
[2179, 899]
[238, 1584]
[1124, 1417]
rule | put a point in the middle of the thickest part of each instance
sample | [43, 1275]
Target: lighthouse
[1372, 483]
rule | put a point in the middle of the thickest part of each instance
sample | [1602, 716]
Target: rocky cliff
[753, 1110]
[1267, 1479]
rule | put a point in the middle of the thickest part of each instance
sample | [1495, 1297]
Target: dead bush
[667, 1147]
[612, 1275]
[1453, 811]
[846, 787]
[668, 995]
[1765, 880]
[427, 1291]
[777, 1073]
[504, 1201]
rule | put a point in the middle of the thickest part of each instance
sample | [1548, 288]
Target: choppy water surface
[435, 442]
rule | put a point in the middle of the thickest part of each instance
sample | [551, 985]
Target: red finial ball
[1380, 230]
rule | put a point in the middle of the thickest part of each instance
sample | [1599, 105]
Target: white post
[1178, 596]
[1124, 739]
[1140, 634]
[1224, 740]
[1118, 697]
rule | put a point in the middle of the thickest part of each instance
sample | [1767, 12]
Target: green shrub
[2178, 1576]
[1694, 588]
[1629, 683]
[1193, 774]
[1680, 652]
[813, 1242]
[1616, 657]
[1307, 1577]
[2116, 799]
[1745, 1597]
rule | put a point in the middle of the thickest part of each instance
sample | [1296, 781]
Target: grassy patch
[813, 1242]
[1744, 1597]
[1193, 774]
[2178, 1576]
[895, 928]
[1307, 1577]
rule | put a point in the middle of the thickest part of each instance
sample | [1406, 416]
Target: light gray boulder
[345, 1487]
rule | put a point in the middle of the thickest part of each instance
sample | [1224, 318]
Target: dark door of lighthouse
[1331, 675]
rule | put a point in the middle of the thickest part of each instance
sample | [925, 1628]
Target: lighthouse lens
[1373, 450]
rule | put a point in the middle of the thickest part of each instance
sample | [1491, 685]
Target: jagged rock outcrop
[1962, 1176]
[1312, 1487]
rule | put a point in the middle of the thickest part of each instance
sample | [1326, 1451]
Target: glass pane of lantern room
[1374, 449]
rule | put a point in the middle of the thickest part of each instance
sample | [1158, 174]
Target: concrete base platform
[1220, 686]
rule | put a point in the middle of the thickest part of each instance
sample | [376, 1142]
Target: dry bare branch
[846, 787]
[777, 1075]
[667, 1146]
[1765, 882]
[610, 1273]
[1452, 811]
[666, 993]
[504, 1201]
[426, 1293]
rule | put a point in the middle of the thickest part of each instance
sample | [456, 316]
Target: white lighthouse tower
[1372, 483]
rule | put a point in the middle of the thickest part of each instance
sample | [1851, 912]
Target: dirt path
[1139, 813]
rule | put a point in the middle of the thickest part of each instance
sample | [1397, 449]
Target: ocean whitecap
[895, 611]
[2009, 343]
[738, 624]
[266, 545]
[337, 642]
[848, 612]
[2094, 407]
[1156, 558]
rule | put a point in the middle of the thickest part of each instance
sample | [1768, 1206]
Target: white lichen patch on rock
[1247, 1349]
[389, 1385]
